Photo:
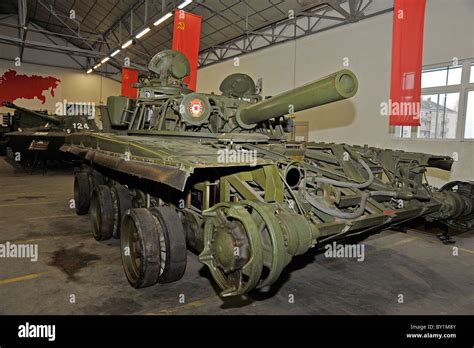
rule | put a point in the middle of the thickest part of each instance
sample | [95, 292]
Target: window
[403, 131]
[439, 116]
[446, 76]
[447, 104]
[469, 130]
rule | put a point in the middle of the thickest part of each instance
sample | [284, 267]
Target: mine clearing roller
[215, 174]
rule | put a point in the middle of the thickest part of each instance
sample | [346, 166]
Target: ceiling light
[89, 71]
[105, 59]
[115, 53]
[98, 65]
[162, 19]
[184, 4]
[128, 43]
[143, 32]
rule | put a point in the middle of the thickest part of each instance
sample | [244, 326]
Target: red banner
[186, 39]
[407, 51]
[129, 77]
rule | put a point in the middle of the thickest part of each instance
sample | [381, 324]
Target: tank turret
[165, 103]
[39, 115]
[167, 69]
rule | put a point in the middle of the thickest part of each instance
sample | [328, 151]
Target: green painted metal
[218, 219]
[188, 150]
[34, 136]
[329, 89]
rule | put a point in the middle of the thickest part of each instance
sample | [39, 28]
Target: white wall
[449, 32]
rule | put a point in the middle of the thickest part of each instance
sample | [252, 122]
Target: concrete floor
[35, 209]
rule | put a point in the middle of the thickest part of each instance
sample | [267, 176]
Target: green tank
[5, 127]
[217, 175]
[30, 136]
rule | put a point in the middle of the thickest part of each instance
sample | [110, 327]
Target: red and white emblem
[196, 107]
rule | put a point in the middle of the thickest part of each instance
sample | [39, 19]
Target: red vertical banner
[186, 39]
[129, 77]
[407, 52]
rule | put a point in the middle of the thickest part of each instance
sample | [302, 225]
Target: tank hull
[282, 186]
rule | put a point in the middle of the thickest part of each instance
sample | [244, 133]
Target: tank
[216, 174]
[32, 136]
[5, 127]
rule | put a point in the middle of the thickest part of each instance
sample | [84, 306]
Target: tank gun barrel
[337, 86]
[32, 112]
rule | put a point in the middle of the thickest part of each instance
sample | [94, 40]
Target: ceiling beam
[68, 54]
[22, 24]
[49, 65]
[41, 45]
[288, 29]
[126, 14]
[336, 5]
[51, 10]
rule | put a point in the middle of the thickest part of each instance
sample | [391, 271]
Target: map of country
[14, 86]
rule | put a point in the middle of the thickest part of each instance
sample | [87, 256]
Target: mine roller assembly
[461, 210]
[247, 244]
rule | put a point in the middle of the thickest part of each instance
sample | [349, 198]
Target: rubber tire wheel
[122, 202]
[175, 244]
[82, 193]
[95, 179]
[149, 241]
[102, 213]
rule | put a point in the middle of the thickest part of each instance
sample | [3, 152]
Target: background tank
[35, 136]
[5, 127]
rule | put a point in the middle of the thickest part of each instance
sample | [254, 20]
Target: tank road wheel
[96, 179]
[232, 248]
[82, 193]
[173, 244]
[122, 201]
[140, 247]
[102, 213]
